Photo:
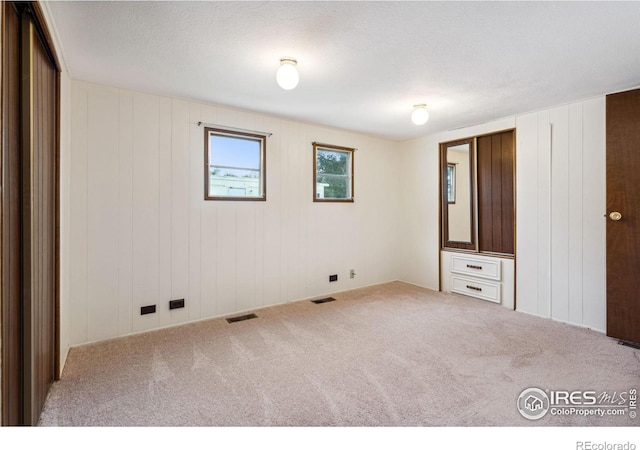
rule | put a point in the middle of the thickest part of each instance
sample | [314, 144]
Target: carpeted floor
[387, 355]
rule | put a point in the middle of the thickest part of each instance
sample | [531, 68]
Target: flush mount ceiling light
[420, 115]
[287, 75]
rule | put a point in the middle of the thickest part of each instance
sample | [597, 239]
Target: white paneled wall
[560, 216]
[560, 242]
[65, 196]
[141, 233]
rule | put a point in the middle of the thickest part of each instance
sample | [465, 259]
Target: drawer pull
[471, 266]
[474, 288]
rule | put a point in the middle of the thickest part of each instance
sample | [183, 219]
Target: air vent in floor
[629, 344]
[323, 300]
[241, 318]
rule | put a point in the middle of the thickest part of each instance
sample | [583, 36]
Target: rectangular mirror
[457, 181]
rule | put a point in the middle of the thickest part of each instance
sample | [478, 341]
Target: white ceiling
[363, 65]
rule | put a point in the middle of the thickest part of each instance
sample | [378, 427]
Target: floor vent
[629, 344]
[323, 300]
[241, 318]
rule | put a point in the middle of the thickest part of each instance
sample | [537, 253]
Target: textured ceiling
[363, 65]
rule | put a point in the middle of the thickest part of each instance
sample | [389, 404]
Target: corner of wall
[65, 146]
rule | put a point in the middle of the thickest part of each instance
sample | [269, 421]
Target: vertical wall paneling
[209, 238]
[125, 213]
[102, 213]
[559, 118]
[593, 210]
[284, 207]
[78, 225]
[180, 206]
[258, 231]
[294, 205]
[495, 193]
[508, 193]
[65, 237]
[245, 265]
[272, 237]
[226, 254]
[575, 228]
[485, 192]
[146, 208]
[527, 213]
[164, 212]
[196, 194]
[544, 214]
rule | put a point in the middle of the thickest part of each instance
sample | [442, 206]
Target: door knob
[615, 215]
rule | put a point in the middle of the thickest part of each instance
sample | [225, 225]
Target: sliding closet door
[30, 130]
[39, 225]
[11, 223]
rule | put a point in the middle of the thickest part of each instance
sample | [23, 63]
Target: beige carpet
[387, 355]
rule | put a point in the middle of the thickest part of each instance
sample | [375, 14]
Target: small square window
[234, 165]
[333, 173]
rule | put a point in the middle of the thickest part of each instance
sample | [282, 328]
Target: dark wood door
[623, 232]
[496, 195]
[12, 392]
[29, 216]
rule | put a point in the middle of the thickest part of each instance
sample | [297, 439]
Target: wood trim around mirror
[445, 242]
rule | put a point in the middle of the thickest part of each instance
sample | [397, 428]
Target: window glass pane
[333, 178]
[230, 151]
[234, 166]
[234, 186]
[235, 191]
[332, 162]
[332, 187]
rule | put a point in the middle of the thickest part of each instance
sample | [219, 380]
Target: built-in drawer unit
[483, 289]
[486, 277]
[483, 268]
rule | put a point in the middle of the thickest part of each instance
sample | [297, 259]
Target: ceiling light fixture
[287, 75]
[420, 115]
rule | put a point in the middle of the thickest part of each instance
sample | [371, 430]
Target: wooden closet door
[12, 389]
[496, 195]
[29, 216]
[39, 223]
[623, 233]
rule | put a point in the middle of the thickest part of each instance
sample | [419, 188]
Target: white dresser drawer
[485, 290]
[475, 267]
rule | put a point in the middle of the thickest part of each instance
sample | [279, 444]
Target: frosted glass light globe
[287, 75]
[420, 115]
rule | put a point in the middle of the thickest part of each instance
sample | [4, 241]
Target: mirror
[457, 194]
